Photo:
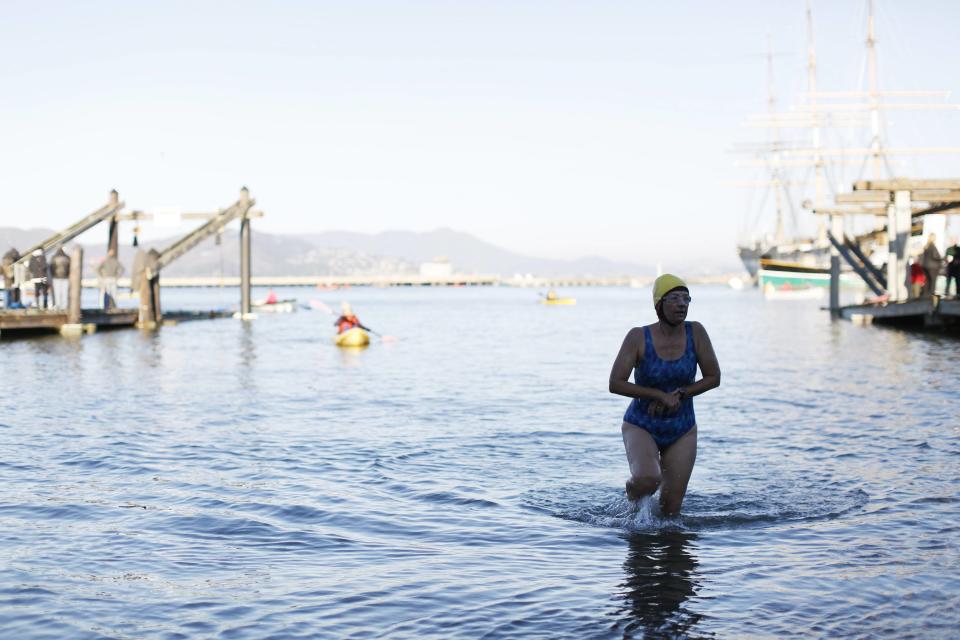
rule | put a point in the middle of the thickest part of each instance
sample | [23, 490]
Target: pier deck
[932, 312]
[41, 320]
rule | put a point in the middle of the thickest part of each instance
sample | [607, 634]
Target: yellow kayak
[558, 301]
[355, 337]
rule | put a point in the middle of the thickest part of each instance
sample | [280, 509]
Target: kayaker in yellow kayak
[347, 319]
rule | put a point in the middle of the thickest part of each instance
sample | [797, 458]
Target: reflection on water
[248, 345]
[246, 377]
[351, 356]
[661, 575]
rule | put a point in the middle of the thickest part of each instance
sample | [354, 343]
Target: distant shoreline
[400, 280]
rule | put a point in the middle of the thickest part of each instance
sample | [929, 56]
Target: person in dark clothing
[109, 271]
[931, 261]
[9, 281]
[953, 269]
[37, 268]
[60, 270]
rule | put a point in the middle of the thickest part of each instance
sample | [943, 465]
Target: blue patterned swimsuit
[665, 375]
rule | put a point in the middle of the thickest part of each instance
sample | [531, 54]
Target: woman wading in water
[660, 428]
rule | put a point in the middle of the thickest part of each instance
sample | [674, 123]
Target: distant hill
[22, 239]
[469, 254]
[345, 253]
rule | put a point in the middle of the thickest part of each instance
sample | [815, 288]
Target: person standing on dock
[931, 261]
[918, 279]
[953, 269]
[38, 275]
[12, 288]
[659, 428]
[60, 270]
[109, 271]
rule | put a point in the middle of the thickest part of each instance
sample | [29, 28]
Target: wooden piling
[898, 234]
[113, 238]
[155, 295]
[245, 242]
[150, 315]
[74, 327]
[76, 286]
[836, 228]
[146, 317]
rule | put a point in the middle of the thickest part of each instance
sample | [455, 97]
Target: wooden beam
[142, 215]
[858, 197]
[951, 208]
[905, 184]
[917, 195]
[866, 211]
[947, 207]
[192, 239]
[935, 195]
[77, 228]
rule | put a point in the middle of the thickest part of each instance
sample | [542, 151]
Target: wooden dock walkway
[30, 321]
[934, 312]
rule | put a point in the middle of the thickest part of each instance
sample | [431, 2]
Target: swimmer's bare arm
[631, 352]
[707, 359]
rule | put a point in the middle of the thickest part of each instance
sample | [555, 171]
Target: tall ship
[788, 260]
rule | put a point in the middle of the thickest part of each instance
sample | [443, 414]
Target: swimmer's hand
[671, 401]
[668, 405]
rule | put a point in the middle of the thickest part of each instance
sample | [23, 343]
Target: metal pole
[244, 257]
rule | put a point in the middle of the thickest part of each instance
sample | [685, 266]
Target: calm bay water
[222, 479]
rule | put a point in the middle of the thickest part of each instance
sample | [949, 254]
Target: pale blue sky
[557, 129]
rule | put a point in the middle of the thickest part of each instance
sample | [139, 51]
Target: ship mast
[818, 168]
[873, 96]
[775, 159]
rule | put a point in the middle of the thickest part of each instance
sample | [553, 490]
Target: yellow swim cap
[664, 284]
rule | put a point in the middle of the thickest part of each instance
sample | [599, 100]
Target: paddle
[379, 335]
[317, 304]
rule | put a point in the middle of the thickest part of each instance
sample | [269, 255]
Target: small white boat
[280, 306]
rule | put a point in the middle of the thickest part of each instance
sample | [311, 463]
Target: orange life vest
[345, 323]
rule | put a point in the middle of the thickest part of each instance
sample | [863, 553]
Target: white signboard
[166, 216]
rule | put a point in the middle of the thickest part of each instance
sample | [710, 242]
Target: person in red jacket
[918, 279]
[347, 319]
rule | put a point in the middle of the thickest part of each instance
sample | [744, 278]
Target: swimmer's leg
[677, 464]
[643, 456]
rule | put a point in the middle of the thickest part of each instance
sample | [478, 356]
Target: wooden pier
[15, 322]
[933, 312]
[76, 321]
[910, 207]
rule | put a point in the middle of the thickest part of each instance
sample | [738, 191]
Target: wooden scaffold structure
[148, 315]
